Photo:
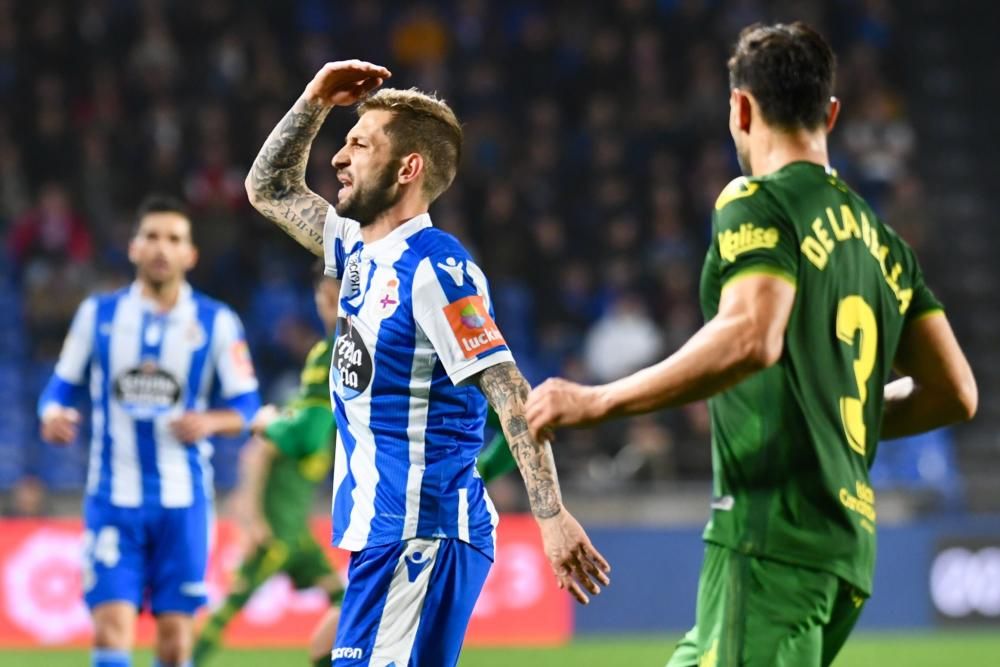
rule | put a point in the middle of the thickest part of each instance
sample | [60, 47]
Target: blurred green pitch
[932, 649]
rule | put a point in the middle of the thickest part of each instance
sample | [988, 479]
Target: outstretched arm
[276, 184]
[567, 546]
[746, 335]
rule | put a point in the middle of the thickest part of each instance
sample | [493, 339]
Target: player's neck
[774, 150]
[164, 295]
[407, 208]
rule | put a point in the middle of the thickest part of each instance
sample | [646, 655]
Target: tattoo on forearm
[277, 180]
[507, 390]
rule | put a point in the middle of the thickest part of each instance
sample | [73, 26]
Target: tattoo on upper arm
[507, 390]
[276, 182]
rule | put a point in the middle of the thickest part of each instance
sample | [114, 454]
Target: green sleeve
[303, 432]
[495, 460]
[750, 236]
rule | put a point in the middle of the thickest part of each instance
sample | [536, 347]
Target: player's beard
[367, 202]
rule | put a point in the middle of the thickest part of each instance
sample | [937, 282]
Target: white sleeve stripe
[233, 380]
[430, 317]
[75, 356]
[479, 365]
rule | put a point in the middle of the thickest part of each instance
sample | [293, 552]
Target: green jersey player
[811, 302]
[281, 467]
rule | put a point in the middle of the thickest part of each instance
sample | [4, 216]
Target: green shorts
[297, 431]
[303, 561]
[755, 612]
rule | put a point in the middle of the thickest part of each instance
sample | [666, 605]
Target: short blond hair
[421, 123]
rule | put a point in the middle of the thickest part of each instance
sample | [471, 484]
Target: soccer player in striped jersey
[288, 457]
[166, 368]
[417, 356]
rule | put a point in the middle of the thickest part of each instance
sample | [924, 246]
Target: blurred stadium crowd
[596, 143]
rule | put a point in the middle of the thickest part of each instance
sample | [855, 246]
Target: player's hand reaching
[193, 427]
[345, 82]
[558, 402]
[264, 418]
[60, 425]
[574, 560]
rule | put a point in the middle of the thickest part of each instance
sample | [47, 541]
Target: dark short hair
[425, 124]
[158, 203]
[789, 69]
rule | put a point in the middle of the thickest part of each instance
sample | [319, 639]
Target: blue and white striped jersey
[145, 368]
[416, 321]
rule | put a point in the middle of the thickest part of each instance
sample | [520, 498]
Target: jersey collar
[135, 292]
[398, 235]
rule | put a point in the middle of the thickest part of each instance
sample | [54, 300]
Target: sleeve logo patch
[239, 354]
[748, 237]
[474, 329]
[737, 189]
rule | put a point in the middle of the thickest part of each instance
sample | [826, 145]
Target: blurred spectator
[596, 144]
[28, 499]
[53, 230]
[622, 341]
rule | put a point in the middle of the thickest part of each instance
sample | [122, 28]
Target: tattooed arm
[276, 184]
[277, 180]
[574, 559]
[507, 390]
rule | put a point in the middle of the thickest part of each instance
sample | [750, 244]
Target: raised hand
[344, 82]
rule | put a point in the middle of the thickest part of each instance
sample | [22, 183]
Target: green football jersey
[792, 445]
[303, 435]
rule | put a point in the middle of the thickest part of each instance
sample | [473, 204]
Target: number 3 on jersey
[854, 315]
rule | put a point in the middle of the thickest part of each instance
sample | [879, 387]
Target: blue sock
[109, 657]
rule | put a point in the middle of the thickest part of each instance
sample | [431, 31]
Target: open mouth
[346, 186]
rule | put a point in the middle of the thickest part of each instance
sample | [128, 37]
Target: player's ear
[832, 113]
[133, 250]
[410, 169]
[192, 258]
[740, 110]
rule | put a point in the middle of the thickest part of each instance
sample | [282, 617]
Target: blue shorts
[408, 604]
[132, 552]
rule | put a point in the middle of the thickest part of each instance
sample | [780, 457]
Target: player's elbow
[762, 348]
[253, 191]
[966, 399]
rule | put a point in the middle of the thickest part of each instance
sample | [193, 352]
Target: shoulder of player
[742, 192]
[436, 252]
[436, 243]
[211, 307]
[749, 201]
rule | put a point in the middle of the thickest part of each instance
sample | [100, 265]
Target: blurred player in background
[281, 466]
[416, 351]
[166, 368]
[811, 302]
